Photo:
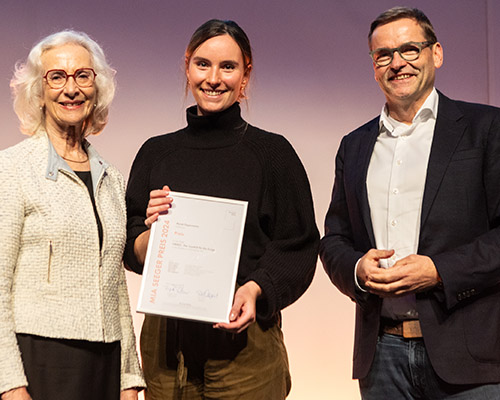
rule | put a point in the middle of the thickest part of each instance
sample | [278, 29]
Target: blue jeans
[402, 370]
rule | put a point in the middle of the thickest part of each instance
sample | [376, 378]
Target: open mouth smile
[400, 77]
[214, 93]
[72, 104]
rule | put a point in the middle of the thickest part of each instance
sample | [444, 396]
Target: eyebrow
[402, 44]
[198, 58]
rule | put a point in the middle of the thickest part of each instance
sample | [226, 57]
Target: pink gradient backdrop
[313, 82]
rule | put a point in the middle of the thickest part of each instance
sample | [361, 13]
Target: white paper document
[192, 259]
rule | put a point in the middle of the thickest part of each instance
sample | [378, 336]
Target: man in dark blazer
[413, 229]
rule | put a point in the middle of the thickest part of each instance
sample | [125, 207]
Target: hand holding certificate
[192, 259]
[244, 310]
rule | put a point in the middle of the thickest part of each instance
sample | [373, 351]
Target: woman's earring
[243, 95]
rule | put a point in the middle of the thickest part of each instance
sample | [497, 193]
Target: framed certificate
[192, 259]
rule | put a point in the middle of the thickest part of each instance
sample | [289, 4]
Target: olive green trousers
[250, 366]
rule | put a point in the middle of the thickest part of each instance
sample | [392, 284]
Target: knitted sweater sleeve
[12, 217]
[287, 267]
[131, 373]
[137, 197]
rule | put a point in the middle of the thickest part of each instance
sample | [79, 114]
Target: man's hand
[20, 393]
[244, 311]
[411, 274]
[369, 264]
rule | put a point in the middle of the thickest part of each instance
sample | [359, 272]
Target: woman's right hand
[20, 393]
[158, 203]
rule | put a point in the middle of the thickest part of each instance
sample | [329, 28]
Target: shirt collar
[55, 163]
[395, 128]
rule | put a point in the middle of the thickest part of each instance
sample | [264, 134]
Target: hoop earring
[243, 95]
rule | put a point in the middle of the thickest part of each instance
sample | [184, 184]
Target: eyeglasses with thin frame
[57, 78]
[409, 51]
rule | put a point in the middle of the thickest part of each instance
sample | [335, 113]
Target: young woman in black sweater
[219, 154]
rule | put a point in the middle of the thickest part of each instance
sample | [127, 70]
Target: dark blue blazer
[459, 230]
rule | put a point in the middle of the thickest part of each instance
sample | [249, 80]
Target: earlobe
[242, 95]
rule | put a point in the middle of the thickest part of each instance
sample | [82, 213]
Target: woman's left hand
[128, 394]
[244, 310]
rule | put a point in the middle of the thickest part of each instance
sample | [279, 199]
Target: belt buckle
[411, 329]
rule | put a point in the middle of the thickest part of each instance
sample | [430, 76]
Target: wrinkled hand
[20, 393]
[158, 204]
[129, 394]
[411, 274]
[244, 311]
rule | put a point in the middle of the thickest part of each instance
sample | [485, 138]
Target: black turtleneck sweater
[221, 155]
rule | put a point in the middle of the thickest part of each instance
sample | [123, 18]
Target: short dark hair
[397, 13]
[217, 27]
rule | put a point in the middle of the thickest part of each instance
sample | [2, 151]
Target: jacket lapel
[365, 153]
[447, 134]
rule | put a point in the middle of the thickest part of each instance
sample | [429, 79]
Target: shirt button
[394, 222]
[395, 191]
[399, 162]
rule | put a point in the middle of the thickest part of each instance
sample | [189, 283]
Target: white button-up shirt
[395, 183]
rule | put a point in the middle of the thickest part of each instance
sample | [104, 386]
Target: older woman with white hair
[66, 330]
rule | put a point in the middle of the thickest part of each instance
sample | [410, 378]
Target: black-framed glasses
[57, 78]
[409, 51]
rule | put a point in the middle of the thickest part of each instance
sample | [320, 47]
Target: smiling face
[216, 74]
[71, 105]
[406, 83]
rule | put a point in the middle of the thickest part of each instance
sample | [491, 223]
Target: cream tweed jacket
[54, 280]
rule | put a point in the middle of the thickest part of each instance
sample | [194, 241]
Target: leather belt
[408, 329]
